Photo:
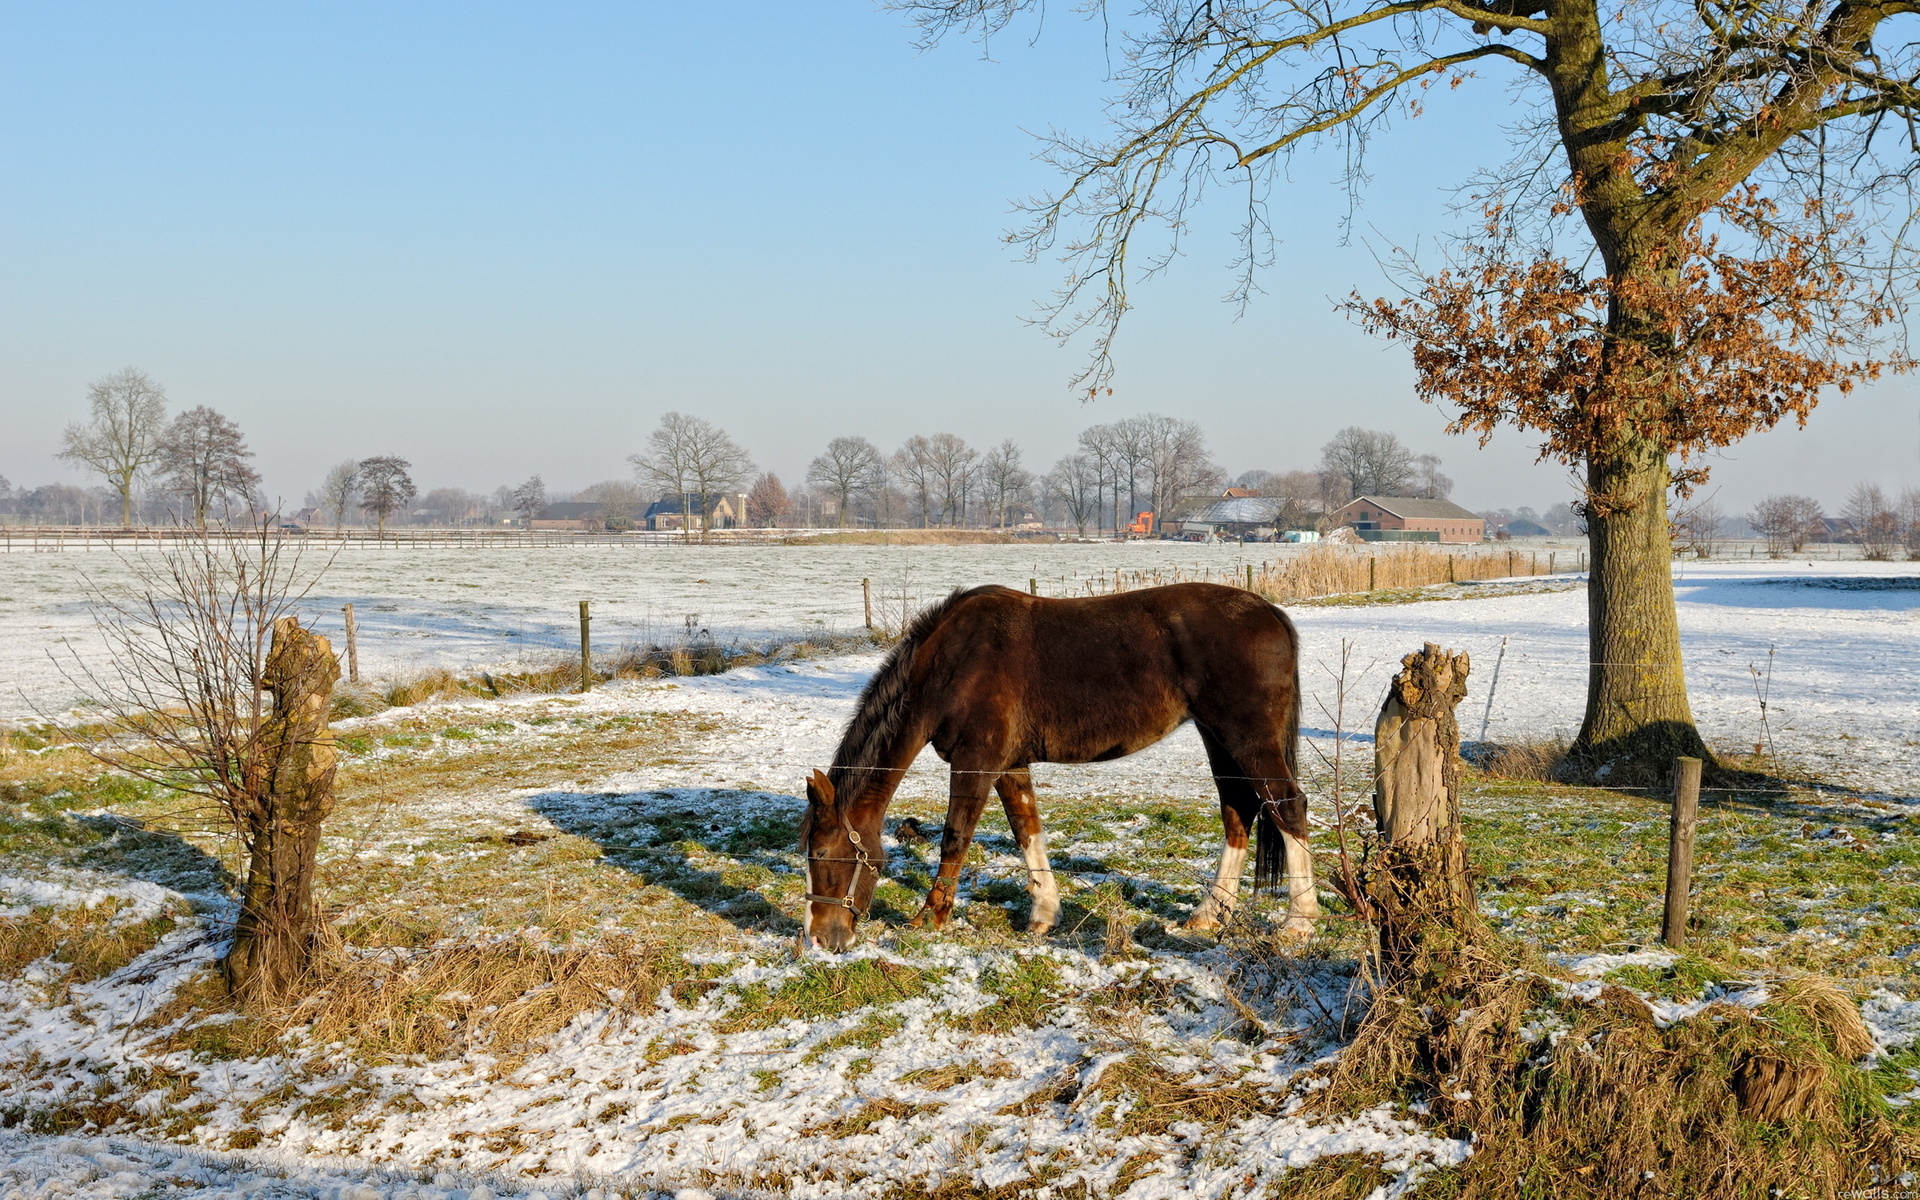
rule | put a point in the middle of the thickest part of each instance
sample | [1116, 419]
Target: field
[645, 832]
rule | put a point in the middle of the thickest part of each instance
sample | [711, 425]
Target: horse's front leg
[967, 794]
[1023, 816]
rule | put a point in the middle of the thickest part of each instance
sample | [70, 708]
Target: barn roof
[1409, 506]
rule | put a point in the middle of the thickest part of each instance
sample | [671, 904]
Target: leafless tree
[203, 459]
[1101, 447]
[1429, 483]
[1784, 521]
[621, 501]
[452, 506]
[1696, 528]
[1175, 459]
[850, 468]
[1302, 498]
[1003, 481]
[122, 438]
[1873, 521]
[1075, 483]
[1373, 462]
[955, 467]
[912, 465]
[694, 459]
[1910, 521]
[211, 688]
[768, 505]
[385, 488]
[340, 490]
[530, 499]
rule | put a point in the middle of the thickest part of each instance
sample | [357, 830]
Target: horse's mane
[884, 702]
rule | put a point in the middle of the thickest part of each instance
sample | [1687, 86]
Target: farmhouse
[1404, 518]
[723, 510]
[577, 515]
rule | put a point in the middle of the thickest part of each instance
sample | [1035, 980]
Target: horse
[998, 680]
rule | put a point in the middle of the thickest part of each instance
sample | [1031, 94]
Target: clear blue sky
[500, 239]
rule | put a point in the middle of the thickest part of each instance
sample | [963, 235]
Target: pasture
[571, 918]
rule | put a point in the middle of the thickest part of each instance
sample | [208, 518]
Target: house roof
[672, 504]
[569, 510]
[1409, 506]
[1239, 510]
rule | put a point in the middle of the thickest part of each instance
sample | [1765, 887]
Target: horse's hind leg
[1023, 816]
[1239, 806]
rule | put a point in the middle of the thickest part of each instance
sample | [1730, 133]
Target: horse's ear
[820, 789]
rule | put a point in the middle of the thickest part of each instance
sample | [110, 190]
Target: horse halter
[859, 859]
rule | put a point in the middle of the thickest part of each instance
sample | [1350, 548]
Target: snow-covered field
[1834, 642]
[686, 1101]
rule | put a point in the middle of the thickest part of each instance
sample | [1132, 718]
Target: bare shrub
[214, 690]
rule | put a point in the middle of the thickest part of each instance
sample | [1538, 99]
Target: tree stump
[274, 936]
[1417, 884]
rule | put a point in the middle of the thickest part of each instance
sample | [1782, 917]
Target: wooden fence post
[353, 648]
[1249, 576]
[586, 650]
[1686, 811]
[1372, 563]
[1033, 587]
[1419, 881]
[866, 599]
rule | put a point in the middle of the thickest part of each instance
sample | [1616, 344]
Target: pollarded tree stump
[1417, 883]
[273, 938]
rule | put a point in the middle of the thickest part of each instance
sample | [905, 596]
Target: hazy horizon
[501, 242]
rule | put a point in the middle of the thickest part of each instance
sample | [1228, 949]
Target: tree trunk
[273, 939]
[1638, 718]
[1417, 884]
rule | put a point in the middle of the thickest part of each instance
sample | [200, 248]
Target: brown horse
[998, 680]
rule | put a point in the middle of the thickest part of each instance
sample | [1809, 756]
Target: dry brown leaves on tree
[1724, 343]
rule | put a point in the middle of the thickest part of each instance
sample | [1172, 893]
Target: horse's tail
[1270, 847]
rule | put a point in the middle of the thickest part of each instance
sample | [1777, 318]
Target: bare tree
[203, 458]
[851, 467]
[621, 501]
[1873, 521]
[530, 499]
[912, 465]
[694, 459]
[1910, 521]
[340, 490]
[1373, 462]
[1003, 480]
[1786, 522]
[1101, 447]
[1696, 527]
[1175, 458]
[1074, 481]
[385, 488]
[1301, 496]
[768, 505]
[452, 506]
[954, 465]
[213, 689]
[122, 438]
[1429, 483]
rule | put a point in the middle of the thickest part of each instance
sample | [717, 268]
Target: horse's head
[844, 859]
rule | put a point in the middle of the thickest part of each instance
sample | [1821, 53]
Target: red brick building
[1403, 513]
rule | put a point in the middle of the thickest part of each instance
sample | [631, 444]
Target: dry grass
[91, 942]
[1734, 1102]
[1325, 570]
[1532, 761]
[502, 998]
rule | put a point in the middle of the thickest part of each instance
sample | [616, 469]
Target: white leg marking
[1040, 883]
[1303, 901]
[1216, 907]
